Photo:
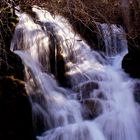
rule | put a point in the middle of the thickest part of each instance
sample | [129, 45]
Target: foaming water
[96, 84]
[79, 131]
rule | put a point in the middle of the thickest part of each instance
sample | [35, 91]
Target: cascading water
[114, 38]
[96, 85]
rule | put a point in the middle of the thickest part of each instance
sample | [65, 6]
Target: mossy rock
[15, 110]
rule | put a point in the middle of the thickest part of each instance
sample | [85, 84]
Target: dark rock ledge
[15, 110]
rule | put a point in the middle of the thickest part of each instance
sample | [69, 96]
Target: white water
[114, 38]
[61, 111]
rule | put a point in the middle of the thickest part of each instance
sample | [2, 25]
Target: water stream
[100, 103]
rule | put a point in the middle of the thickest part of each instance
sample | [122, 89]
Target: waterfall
[114, 38]
[99, 105]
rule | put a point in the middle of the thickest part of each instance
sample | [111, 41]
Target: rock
[130, 61]
[11, 65]
[15, 111]
[56, 63]
[86, 88]
[7, 25]
[131, 66]
[92, 108]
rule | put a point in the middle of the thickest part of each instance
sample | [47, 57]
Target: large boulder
[15, 111]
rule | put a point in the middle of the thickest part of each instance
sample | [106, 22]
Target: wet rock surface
[92, 108]
[86, 88]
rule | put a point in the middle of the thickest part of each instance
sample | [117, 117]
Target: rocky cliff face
[15, 108]
[130, 62]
